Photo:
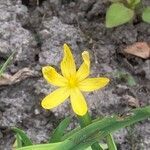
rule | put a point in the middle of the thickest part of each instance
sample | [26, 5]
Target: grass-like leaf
[51, 146]
[3, 68]
[59, 131]
[18, 142]
[146, 15]
[99, 129]
[102, 145]
[110, 141]
[117, 14]
[22, 136]
[108, 125]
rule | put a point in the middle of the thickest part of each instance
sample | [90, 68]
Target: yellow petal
[68, 67]
[55, 98]
[78, 102]
[53, 77]
[84, 69]
[91, 84]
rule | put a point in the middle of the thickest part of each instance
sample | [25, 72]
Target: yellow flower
[71, 82]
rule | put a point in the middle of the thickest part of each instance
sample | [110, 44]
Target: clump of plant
[123, 11]
[126, 77]
[4, 66]
[92, 134]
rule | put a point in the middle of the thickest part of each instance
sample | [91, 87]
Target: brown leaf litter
[140, 49]
[7, 79]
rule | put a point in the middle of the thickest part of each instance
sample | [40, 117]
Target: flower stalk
[85, 121]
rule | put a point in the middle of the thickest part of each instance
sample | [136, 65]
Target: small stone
[36, 111]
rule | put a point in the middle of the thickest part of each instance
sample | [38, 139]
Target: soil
[37, 30]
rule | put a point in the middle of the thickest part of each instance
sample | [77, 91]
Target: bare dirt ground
[37, 33]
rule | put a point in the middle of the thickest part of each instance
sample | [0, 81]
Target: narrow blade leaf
[59, 131]
[18, 142]
[3, 68]
[26, 141]
[98, 130]
[65, 145]
[101, 128]
[110, 142]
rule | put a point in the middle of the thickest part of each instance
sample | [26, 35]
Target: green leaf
[98, 130]
[18, 142]
[65, 145]
[103, 145]
[3, 68]
[117, 14]
[25, 140]
[59, 131]
[146, 15]
[84, 121]
[110, 142]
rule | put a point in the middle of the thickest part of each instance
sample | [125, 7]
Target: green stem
[110, 142]
[85, 121]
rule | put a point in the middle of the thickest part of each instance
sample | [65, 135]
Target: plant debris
[7, 79]
[140, 49]
[131, 101]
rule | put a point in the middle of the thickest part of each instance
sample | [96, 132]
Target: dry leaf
[22, 74]
[131, 101]
[140, 49]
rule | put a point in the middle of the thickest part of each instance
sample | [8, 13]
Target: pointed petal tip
[81, 113]
[67, 49]
[44, 105]
[107, 80]
[66, 46]
[47, 69]
[84, 69]
[85, 53]
[44, 68]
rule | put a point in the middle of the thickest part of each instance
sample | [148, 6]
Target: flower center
[72, 82]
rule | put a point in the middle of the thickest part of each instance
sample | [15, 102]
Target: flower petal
[68, 66]
[53, 77]
[84, 69]
[78, 102]
[91, 84]
[55, 98]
